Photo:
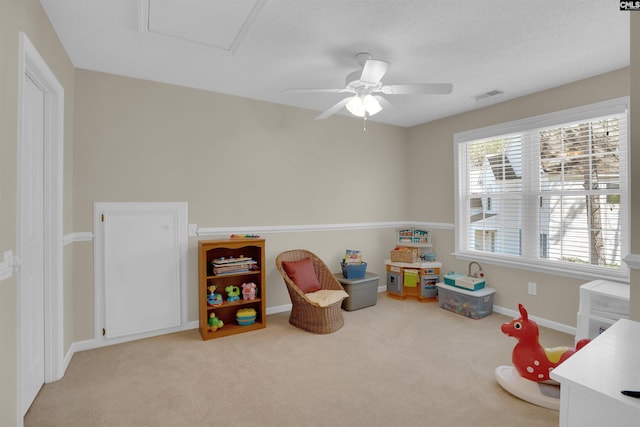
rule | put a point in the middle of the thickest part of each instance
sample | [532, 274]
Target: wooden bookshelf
[247, 248]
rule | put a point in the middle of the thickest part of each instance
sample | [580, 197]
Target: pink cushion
[301, 273]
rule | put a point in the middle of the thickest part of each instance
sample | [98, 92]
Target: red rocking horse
[533, 362]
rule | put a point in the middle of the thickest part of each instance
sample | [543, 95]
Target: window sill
[574, 272]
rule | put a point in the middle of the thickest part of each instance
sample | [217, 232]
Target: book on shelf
[221, 273]
[233, 265]
[220, 261]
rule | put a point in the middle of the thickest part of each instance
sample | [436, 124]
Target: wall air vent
[489, 96]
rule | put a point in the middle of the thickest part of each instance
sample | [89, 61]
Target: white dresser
[602, 303]
[591, 380]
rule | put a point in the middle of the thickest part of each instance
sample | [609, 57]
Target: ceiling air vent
[489, 96]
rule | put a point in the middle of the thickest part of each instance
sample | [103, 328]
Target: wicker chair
[306, 314]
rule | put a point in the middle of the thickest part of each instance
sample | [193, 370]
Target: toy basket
[354, 271]
[404, 255]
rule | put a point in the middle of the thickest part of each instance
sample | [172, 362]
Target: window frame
[526, 261]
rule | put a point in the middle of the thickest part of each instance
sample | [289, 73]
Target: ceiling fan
[365, 87]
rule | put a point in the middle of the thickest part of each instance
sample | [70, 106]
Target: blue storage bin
[354, 271]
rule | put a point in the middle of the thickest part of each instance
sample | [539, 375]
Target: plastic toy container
[463, 281]
[362, 292]
[473, 304]
[354, 271]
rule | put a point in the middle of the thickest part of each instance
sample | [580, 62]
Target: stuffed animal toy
[249, 291]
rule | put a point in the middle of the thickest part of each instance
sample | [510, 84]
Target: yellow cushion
[326, 297]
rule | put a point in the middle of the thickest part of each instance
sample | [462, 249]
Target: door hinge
[102, 217]
[104, 332]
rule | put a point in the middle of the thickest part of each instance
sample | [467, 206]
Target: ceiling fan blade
[314, 90]
[386, 105]
[373, 70]
[336, 107]
[417, 89]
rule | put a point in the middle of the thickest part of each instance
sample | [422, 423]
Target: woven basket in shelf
[404, 256]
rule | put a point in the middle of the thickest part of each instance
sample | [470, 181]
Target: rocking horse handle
[523, 312]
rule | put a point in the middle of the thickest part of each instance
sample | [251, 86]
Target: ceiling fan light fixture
[367, 89]
[355, 106]
[371, 105]
[361, 105]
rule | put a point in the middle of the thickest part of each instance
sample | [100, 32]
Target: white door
[143, 256]
[32, 224]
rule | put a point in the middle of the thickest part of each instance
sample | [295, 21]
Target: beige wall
[145, 141]
[237, 162]
[432, 164]
[29, 17]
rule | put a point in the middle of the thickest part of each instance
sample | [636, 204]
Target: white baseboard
[97, 343]
[194, 324]
[513, 313]
[540, 321]
[278, 309]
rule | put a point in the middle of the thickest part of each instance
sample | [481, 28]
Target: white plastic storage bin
[602, 303]
[473, 304]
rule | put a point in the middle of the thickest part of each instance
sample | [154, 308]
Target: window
[549, 192]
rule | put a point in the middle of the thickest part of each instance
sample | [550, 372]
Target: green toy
[233, 293]
[214, 322]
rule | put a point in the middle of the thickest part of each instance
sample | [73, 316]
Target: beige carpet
[398, 363]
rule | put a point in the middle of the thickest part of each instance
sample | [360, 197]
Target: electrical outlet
[533, 288]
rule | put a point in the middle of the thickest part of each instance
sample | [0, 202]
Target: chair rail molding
[633, 261]
[8, 265]
[84, 236]
[217, 231]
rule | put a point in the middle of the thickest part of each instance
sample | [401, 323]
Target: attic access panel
[220, 24]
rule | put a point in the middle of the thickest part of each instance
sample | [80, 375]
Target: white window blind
[549, 192]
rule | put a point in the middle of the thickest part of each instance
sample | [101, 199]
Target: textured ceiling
[258, 48]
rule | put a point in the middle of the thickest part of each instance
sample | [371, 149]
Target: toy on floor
[528, 378]
[249, 291]
[214, 322]
[233, 293]
[213, 298]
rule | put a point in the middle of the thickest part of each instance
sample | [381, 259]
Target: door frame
[32, 64]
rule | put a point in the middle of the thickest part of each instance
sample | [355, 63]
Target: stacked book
[352, 257]
[233, 265]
